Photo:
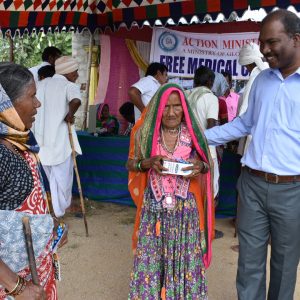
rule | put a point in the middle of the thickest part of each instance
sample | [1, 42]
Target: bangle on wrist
[22, 288]
[18, 289]
[14, 289]
[139, 165]
[136, 165]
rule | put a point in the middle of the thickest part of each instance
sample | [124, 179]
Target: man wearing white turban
[60, 98]
[250, 57]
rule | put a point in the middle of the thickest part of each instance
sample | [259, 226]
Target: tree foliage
[28, 49]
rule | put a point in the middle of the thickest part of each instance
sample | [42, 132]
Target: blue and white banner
[184, 52]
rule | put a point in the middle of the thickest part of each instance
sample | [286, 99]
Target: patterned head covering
[149, 130]
[12, 128]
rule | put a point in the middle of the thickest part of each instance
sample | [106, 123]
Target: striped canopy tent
[29, 15]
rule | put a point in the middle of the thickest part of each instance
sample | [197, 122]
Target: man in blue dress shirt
[269, 185]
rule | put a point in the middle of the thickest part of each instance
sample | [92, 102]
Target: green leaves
[28, 49]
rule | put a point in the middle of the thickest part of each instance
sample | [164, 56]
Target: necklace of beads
[177, 139]
[172, 132]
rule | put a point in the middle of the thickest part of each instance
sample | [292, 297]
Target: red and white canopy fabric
[29, 15]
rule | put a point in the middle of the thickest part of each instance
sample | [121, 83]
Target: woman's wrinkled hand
[198, 167]
[155, 163]
[32, 292]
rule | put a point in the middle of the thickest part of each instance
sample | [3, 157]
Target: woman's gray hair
[14, 79]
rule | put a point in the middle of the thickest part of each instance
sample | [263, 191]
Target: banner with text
[184, 52]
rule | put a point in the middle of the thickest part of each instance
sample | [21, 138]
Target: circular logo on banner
[167, 41]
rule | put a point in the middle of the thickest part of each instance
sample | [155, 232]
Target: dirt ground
[98, 267]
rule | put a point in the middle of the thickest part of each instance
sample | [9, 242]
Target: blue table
[102, 168]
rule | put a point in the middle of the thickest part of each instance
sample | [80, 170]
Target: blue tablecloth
[102, 168]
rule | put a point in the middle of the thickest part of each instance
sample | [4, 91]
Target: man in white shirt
[49, 55]
[206, 108]
[60, 98]
[142, 91]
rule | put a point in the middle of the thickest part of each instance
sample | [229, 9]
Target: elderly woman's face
[173, 112]
[26, 105]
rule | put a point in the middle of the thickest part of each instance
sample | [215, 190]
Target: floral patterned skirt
[168, 261]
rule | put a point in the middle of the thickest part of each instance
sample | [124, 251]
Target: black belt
[274, 178]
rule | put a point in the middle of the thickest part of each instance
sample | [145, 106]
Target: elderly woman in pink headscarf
[174, 221]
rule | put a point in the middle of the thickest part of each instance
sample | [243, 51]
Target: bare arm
[211, 123]
[73, 107]
[9, 279]
[222, 121]
[135, 97]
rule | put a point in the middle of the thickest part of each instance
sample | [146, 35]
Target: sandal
[235, 248]
[218, 234]
[61, 231]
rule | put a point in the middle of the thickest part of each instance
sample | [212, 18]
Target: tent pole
[11, 47]
[91, 44]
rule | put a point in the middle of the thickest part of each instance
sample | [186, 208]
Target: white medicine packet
[175, 168]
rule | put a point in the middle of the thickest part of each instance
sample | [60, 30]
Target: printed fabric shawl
[195, 94]
[144, 143]
[12, 128]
